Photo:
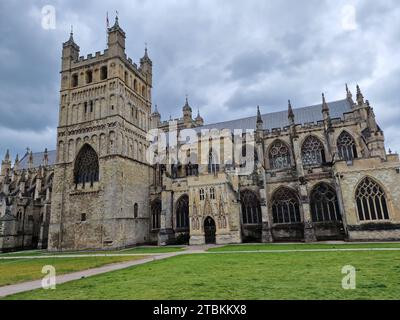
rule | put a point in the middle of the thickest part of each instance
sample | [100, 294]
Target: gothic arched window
[285, 206]
[324, 204]
[279, 155]
[86, 166]
[346, 147]
[312, 151]
[156, 214]
[251, 209]
[182, 212]
[371, 201]
[135, 210]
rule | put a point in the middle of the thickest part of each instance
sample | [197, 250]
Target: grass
[296, 275]
[303, 246]
[21, 270]
[135, 250]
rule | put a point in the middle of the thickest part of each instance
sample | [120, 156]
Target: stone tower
[101, 179]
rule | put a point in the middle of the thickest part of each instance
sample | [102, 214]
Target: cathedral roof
[275, 120]
[37, 159]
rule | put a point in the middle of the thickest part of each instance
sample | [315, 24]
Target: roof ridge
[274, 112]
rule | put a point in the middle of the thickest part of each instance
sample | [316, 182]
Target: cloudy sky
[227, 55]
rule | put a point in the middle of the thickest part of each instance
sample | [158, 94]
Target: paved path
[37, 284]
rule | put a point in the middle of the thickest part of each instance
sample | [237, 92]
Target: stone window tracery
[371, 201]
[279, 155]
[251, 209]
[312, 151]
[86, 169]
[285, 206]
[346, 147]
[324, 204]
[182, 212]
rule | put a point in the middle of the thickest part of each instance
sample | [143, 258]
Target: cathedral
[122, 177]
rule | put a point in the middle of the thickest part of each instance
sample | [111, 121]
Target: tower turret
[155, 118]
[70, 52]
[199, 120]
[187, 114]
[6, 164]
[116, 40]
[146, 65]
[373, 134]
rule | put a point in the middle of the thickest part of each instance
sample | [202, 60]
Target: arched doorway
[209, 230]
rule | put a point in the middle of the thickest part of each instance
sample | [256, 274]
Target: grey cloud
[228, 56]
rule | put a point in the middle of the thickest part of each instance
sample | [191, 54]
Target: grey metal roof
[280, 119]
[37, 159]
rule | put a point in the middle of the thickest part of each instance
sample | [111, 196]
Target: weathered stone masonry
[320, 172]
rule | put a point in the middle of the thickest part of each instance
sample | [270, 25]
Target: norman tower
[101, 176]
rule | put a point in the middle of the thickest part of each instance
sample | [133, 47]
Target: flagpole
[107, 26]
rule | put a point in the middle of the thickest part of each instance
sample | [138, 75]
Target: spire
[16, 163]
[187, 107]
[71, 35]
[260, 121]
[146, 58]
[45, 157]
[290, 113]
[30, 159]
[259, 118]
[325, 107]
[349, 95]
[71, 41]
[7, 156]
[199, 119]
[360, 97]
[155, 112]
[116, 24]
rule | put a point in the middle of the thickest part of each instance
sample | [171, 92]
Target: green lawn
[135, 250]
[21, 270]
[304, 246]
[297, 275]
